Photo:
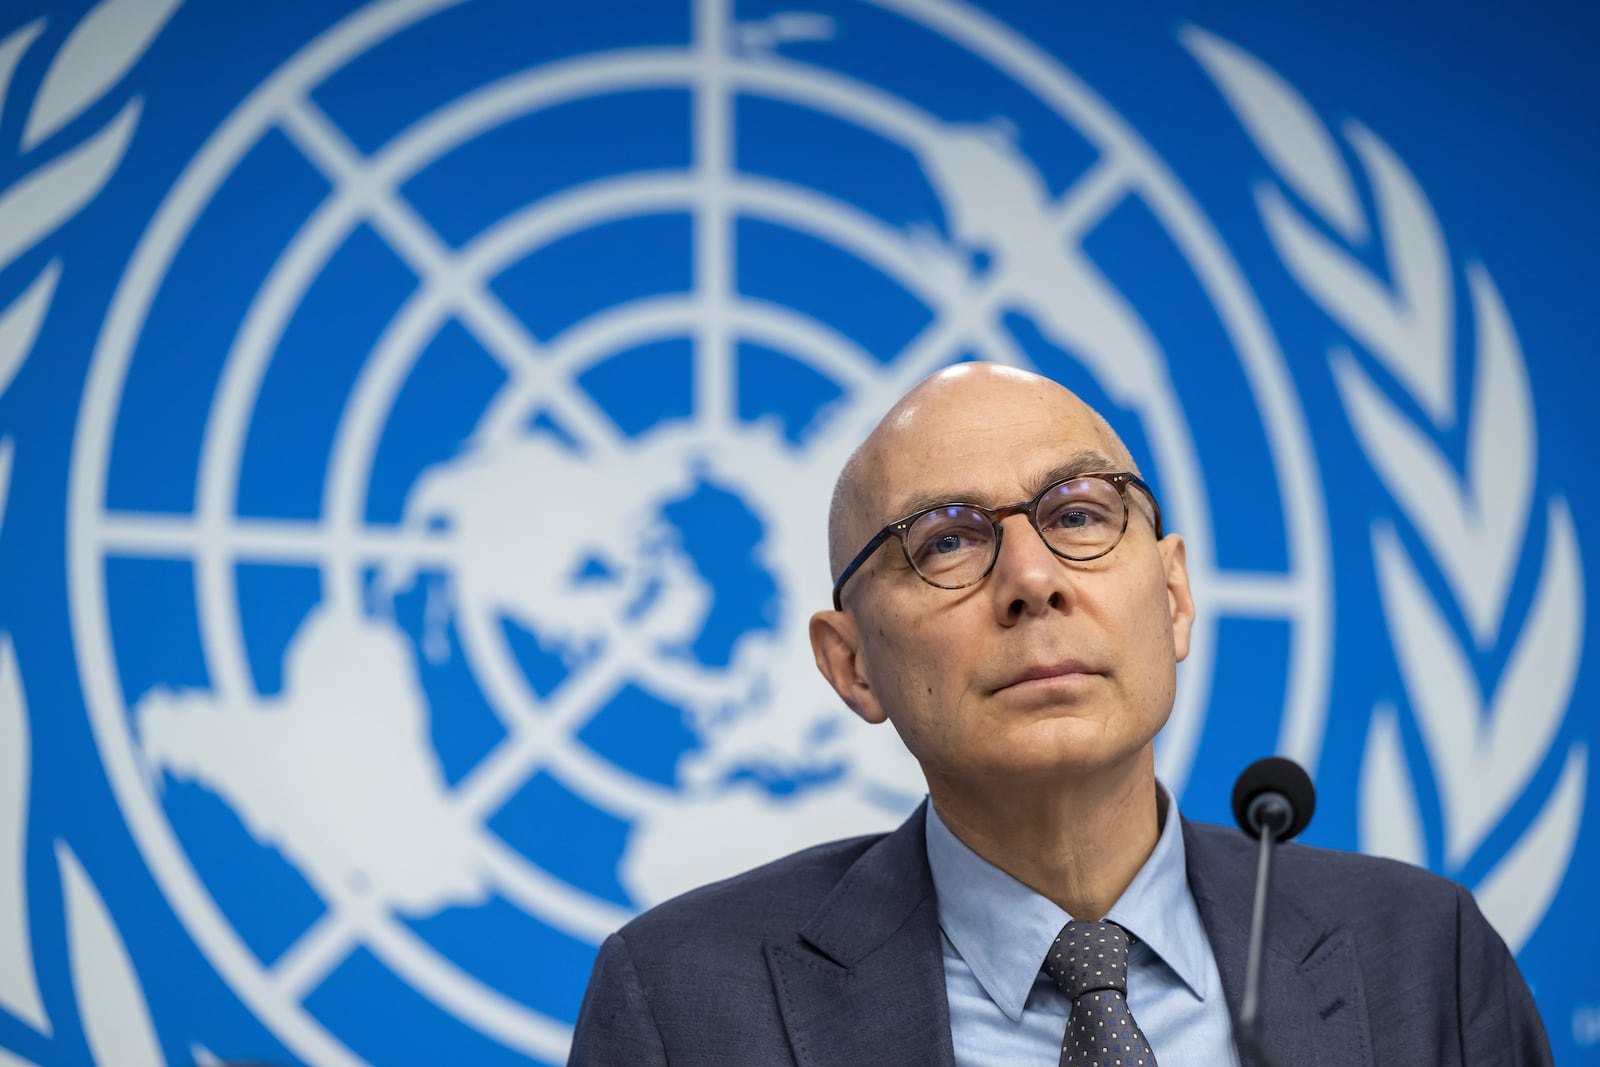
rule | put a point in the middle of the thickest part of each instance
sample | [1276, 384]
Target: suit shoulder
[1356, 881]
[781, 894]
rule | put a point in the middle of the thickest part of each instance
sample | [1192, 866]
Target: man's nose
[1028, 578]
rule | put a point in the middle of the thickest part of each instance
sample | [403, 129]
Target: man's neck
[1079, 845]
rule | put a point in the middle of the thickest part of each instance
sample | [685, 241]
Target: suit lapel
[1313, 1008]
[864, 984]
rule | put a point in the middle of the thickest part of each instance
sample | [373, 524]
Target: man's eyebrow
[1080, 462]
[1083, 461]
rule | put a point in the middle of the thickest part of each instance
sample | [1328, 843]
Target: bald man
[1007, 598]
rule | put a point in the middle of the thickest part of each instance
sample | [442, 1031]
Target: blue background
[1493, 110]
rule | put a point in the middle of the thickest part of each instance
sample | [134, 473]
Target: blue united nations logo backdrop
[417, 422]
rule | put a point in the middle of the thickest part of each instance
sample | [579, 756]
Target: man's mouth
[1046, 673]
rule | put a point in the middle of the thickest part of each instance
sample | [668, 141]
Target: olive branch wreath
[89, 64]
[1484, 739]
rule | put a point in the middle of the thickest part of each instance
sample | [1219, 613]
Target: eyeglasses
[952, 546]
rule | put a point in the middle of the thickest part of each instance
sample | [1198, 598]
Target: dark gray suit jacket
[831, 958]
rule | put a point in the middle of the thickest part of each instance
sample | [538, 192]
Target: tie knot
[1089, 956]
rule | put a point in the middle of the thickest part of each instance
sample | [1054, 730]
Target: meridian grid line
[1258, 595]
[331, 940]
[328, 941]
[547, 742]
[1091, 197]
[502, 334]
[538, 892]
[325, 944]
[714, 231]
[495, 777]
[973, 320]
[468, 999]
[151, 535]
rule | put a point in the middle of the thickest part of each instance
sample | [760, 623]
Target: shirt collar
[1003, 929]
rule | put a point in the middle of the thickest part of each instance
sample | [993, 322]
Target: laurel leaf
[111, 1004]
[1443, 691]
[19, 323]
[1407, 328]
[1501, 458]
[1423, 359]
[37, 204]
[1474, 531]
[1390, 823]
[12, 50]
[1422, 480]
[1482, 763]
[1343, 285]
[19, 983]
[95, 56]
[1532, 696]
[1517, 893]
[1285, 130]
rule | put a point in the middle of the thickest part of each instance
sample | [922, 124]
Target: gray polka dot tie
[1089, 961]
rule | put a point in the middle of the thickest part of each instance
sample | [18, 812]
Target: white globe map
[569, 536]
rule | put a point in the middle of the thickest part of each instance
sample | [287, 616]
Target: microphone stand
[1271, 813]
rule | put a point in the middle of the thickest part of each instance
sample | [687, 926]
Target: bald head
[960, 412]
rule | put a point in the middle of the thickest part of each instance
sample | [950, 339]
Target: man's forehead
[988, 439]
[981, 433]
[1000, 487]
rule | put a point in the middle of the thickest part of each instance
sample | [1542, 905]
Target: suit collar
[865, 981]
[1313, 1008]
[880, 891]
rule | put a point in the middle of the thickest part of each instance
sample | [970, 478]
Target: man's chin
[1065, 751]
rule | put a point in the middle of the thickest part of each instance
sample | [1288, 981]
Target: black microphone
[1274, 791]
[1272, 801]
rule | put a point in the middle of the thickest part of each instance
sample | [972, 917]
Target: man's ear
[1180, 602]
[836, 643]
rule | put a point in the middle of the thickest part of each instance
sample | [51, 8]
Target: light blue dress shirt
[1005, 1012]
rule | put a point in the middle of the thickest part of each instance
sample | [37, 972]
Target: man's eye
[940, 548]
[949, 543]
[1078, 518]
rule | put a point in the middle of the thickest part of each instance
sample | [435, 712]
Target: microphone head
[1284, 777]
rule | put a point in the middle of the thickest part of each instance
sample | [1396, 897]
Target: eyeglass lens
[955, 546]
